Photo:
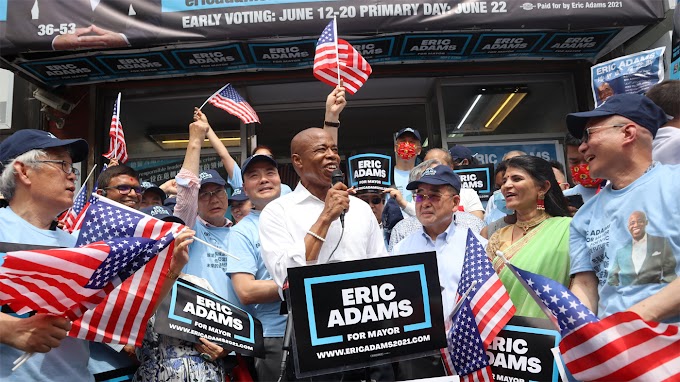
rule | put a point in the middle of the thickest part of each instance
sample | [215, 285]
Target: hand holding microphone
[337, 197]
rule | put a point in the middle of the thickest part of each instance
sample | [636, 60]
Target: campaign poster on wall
[492, 153]
[370, 172]
[190, 312]
[159, 171]
[478, 178]
[521, 351]
[352, 314]
[632, 74]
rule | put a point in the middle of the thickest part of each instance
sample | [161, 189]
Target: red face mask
[581, 175]
[406, 150]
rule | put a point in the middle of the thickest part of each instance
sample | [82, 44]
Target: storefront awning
[83, 41]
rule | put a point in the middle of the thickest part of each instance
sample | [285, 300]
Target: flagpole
[560, 366]
[460, 302]
[115, 152]
[337, 55]
[84, 184]
[208, 99]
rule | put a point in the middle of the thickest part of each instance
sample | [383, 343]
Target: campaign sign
[352, 314]
[507, 43]
[440, 45]
[478, 178]
[190, 312]
[136, 63]
[492, 153]
[632, 74]
[578, 42]
[294, 53]
[521, 351]
[210, 57]
[77, 68]
[372, 172]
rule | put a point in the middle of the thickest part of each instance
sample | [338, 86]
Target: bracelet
[172, 275]
[331, 124]
[316, 236]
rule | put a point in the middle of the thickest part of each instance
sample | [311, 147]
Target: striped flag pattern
[117, 146]
[354, 69]
[620, 347]
[121, 318]
[488, 304]
[230, 101]
[79, 203]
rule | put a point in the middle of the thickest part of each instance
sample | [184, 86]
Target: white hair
[8, 184]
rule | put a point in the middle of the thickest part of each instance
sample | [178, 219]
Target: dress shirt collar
[228, 223]
[446, 235]
[301, 193]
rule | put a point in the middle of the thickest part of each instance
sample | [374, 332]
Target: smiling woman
[539, 241]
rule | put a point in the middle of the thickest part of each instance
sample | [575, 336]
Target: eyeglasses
[66, 167]
[433, 198]
[208, 194]
[375, 200]
[125, 189]
[587, 132]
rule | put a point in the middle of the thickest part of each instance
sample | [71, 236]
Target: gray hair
[417, 172]
[8, 184]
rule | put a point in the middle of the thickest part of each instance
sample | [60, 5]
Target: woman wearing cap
[539, 241]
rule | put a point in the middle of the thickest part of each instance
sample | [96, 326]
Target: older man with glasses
[436, 195]
[38, 180]
[616, 141]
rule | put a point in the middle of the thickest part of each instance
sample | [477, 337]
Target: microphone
[337, 177]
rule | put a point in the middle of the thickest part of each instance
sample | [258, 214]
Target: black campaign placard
[370, 172]
[190, 312]
[521, 351]
[478, 178]
[352, 314]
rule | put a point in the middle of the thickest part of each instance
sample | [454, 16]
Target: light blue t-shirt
[68, 362]
[600, 240]
[244, 242]
[586, 193]
[401, 181]
[285, 189]
[236, 181]
[210, 264]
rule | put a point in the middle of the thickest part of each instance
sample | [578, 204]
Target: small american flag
[117, 146]
[121, 318]
[80, 206]
[490, 307]
[230, 101]
[354, 69]
[621, 347]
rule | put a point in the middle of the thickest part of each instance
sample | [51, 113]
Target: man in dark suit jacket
[82, 24]
[646, 259]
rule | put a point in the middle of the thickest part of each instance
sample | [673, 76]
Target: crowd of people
[609, 236]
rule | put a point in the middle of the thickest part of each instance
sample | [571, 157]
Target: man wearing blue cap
[616, 141]
[38, 181]
[407, 147]
[437, 197]
[240, 205]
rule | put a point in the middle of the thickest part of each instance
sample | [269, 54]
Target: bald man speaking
[304, 227]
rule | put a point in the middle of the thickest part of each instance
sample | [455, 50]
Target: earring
[540, 203]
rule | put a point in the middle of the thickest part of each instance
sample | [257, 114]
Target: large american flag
[117, 146]
[121, 318]
[620, 347]
[487, 309]
[354, 69]
[230, 101]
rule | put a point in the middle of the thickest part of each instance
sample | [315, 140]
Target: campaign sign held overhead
[190, 312]
[352, 314]
[370, 172]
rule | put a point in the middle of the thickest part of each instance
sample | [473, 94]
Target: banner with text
[370, 172]
[492, 153]
[478, 178]
[675, 56]
[521, 351]
[190, 312]
[632, 74]
[352, 314]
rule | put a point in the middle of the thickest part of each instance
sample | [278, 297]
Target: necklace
[527, 225]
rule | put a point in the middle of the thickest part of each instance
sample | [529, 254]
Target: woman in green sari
[539, 241]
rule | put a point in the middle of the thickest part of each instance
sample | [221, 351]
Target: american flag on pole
[487, 309]
[230, 101]
[121, 318]
[76, 214]
[117, 146]
[332, 54]
[69, 281]
[621, 347]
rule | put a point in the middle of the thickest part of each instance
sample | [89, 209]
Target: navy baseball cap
[148, 186]
[408, 130]
[238, 195]
[636, 107]
[459, 152]
[162, 213]
[26, 140]
[211, 176]
[437, 176]
[255, 159]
